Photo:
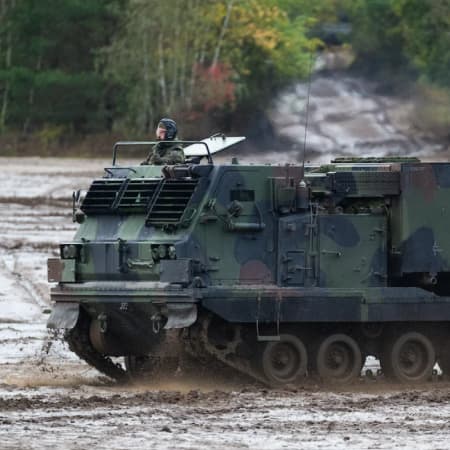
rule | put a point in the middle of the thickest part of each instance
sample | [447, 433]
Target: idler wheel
[339, 359]
[284, 361]
[99, 339]
[410, 359]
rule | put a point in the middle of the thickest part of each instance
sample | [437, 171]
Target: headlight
[172, 252]
[69, 251]
[162, 250]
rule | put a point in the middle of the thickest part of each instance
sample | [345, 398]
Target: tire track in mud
[31, 289]
[245, 418]
[62, 202]
[31, 226]
[35, 211]
[239, 398]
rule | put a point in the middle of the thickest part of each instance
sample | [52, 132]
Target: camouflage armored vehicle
[280, 272]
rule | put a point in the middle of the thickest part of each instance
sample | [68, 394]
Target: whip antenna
[307, 108]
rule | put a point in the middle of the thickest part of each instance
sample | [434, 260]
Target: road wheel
[339, 359]
[410, 359]
[284, 361]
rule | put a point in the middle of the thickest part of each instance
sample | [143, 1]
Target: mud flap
[180, 316]
[64, 315]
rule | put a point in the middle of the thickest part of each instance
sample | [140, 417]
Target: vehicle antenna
[307, 108]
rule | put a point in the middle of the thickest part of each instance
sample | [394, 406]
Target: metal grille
[367, 183]
[164, 200]
[137, 195]
[169, 205]
[101, 196]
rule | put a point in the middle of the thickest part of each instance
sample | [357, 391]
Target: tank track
[240, 352]
[233, 361]
[228, 354]
[79, 343]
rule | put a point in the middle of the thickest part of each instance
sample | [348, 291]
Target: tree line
[101, 65]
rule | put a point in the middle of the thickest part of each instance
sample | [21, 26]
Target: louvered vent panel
[366, 183]
[171, 202]
[137, 195]
[101, 196]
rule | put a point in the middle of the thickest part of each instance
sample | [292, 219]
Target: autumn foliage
[119, 65]
[216, 89]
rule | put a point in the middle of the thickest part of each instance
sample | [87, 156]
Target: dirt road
[50, 399]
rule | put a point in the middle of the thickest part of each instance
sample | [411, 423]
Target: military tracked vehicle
[280, 272]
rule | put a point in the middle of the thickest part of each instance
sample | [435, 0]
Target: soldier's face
[160, 133]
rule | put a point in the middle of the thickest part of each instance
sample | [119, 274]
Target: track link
[229, 354]
[79, 343]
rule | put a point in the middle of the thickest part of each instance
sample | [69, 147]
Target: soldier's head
[166, 130]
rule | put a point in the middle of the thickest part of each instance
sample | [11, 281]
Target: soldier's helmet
[170, 126]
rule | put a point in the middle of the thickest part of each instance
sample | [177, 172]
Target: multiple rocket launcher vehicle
[280, 272]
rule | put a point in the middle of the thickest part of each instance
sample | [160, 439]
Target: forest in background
[77, 70]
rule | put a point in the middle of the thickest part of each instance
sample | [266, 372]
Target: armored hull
[279, 272]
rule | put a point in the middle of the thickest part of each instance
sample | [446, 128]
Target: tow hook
[103, 322]
[156, 323]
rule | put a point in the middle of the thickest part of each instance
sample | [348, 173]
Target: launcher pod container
[280, 272]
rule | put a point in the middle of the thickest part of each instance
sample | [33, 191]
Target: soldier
[165, 152]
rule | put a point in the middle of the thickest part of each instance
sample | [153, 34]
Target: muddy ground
[50, 399]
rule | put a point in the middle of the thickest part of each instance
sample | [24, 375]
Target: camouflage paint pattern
[420, 232]
[242, 242]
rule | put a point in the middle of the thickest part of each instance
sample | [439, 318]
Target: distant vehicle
[280, 272]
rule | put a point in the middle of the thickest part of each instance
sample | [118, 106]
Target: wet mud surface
[49, 399]
[87, 414]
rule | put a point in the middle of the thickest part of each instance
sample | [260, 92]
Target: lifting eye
[163, 251]
[234, 208]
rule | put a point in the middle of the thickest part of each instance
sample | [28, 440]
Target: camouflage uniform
[165, 153]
